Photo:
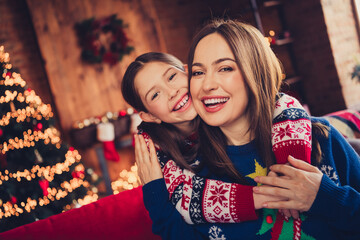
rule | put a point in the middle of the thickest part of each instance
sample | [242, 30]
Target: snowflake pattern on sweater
[201, 200]
[331, 173]
[291, 131]
[215, 233]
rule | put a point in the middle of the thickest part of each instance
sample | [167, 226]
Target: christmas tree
[39, 175]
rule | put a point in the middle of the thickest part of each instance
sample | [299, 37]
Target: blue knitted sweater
[335, 213]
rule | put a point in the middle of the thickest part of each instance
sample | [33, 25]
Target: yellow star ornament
[259, 171]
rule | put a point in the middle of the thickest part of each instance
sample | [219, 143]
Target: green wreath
[103, 40]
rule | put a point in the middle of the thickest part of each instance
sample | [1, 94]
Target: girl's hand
[300, 186]
[261, 199]
[146, 160]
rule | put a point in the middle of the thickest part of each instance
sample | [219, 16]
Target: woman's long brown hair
[168, 137]
[262, 73]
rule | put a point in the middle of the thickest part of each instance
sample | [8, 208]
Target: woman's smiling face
[164, 91]
[217, 86]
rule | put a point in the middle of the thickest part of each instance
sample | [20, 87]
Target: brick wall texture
[19, 39]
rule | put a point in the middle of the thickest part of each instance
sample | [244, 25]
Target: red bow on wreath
[103, 40]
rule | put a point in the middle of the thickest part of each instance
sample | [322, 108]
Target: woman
[234, 87]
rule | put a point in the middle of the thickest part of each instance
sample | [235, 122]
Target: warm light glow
[105, 118]
[269, 40]
[8, 210]
[49, 136]
[32, 111]
[20, 115]
[127, 180]
[47, 172]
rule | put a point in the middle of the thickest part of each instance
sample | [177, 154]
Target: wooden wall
[81, 90]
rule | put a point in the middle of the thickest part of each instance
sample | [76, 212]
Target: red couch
[121, 216]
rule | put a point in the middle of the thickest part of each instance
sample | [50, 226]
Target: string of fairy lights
[14, 80]
[29, 96]
[37, 110]
[30, 138]
[48, 172]
[8, 209]
[127, 180]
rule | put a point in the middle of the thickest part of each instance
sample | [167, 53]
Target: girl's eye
[226, 69]
[172, 76]
[154, 95]
[197, 73]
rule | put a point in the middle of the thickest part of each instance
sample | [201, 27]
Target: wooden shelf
[280, 42]
[272, 3]
[282, 46]
[292, 80]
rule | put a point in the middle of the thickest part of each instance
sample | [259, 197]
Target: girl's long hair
[169, 138]
[262, 73]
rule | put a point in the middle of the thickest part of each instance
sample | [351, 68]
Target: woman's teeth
[213, 101]
[182, 103]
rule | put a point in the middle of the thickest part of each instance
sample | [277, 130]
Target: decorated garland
[103, 40]
[87, 132]
[109, 116]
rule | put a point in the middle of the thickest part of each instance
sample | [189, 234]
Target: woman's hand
[300, 185]
[146, 160]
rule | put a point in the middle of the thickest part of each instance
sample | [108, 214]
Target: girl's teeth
[182, 103]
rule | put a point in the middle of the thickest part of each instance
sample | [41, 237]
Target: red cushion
[121, 216]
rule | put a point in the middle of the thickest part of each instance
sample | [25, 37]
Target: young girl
[234, 88]
[155, 84]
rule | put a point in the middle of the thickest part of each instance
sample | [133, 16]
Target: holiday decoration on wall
[85, 133]
[106, 135]
[39, 174]
[103, 40]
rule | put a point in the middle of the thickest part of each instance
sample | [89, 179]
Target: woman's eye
[197, 73]
[226, 69]
[154, 95]
[172, 76]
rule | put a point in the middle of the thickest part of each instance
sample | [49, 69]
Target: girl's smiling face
[217, 86]
[164, 91]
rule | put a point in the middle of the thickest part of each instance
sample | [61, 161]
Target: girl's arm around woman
[330, 191]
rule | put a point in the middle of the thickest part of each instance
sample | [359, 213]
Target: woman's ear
[148, 117]
[186, 68]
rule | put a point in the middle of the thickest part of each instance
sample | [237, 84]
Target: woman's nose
[209, 83]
